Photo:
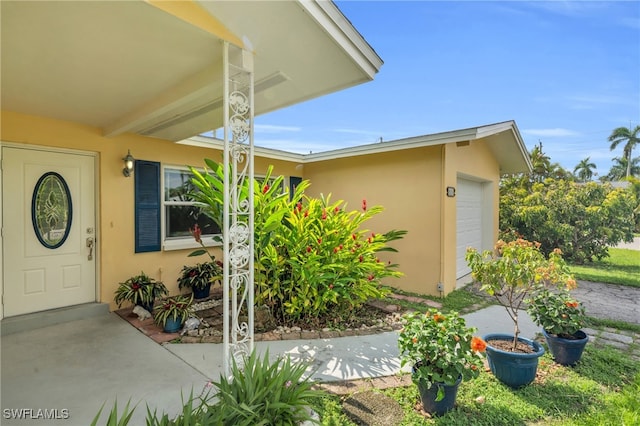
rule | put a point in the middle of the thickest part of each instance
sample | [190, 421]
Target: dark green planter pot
[201, 293]
[513, 369]
[428, 397]
[566, 351]
[173, 325]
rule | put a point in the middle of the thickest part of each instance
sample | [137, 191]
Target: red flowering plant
[557, 312]
[441, 348]
[314, 260]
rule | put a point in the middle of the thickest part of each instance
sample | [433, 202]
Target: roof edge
[461, 135]
[338, 26]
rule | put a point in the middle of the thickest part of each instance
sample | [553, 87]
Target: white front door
[48, 213]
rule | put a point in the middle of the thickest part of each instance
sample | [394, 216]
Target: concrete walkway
[76, 367]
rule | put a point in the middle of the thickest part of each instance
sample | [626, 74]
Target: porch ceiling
[135, 67]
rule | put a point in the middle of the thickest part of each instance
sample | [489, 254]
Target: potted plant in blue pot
[561, 318]
[140, 290]
[442, 352]
[172, 312]
[510, 273]
[199, 278]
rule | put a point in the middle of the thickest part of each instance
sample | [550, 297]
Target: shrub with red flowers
[557, 312]
[313, 258]
[440, 347]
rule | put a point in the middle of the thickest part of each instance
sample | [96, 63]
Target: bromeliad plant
[176, 308]
[313, 258]
[514, 270]
[140, 290]
[557, 312]
[200, 275]
[441, 348]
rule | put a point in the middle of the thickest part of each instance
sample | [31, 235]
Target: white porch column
[237, 233]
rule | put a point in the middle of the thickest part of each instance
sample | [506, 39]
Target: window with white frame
[180, 212]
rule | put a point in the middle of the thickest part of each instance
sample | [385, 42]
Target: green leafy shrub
[260, 392]
[556, 311]
[441, 348]
[312, 257]
[265, 393]
[580, 219]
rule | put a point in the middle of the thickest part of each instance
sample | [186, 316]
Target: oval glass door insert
[51, 210]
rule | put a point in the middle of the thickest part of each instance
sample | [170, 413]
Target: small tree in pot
[510, 273]
[516, 269]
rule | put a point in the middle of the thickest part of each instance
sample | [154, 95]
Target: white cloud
[555, 132]
[272, 128]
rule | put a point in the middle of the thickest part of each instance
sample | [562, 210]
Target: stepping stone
[373, 409]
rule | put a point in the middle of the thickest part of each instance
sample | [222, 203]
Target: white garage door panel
[469, 221]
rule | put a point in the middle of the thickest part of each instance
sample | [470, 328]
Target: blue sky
[568, 73]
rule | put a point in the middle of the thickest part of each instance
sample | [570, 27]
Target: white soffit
[129, 66]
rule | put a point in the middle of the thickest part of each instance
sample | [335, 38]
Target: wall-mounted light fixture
[451, 191]
[128, 164]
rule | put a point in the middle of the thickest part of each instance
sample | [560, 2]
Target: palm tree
[620, 167]
[630, 138]
[584, 169]
[541, 164]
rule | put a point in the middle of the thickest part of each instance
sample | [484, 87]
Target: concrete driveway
[71, 369]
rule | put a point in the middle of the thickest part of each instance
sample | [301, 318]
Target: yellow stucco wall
[407, 184]
[410, 184]
[115, 230]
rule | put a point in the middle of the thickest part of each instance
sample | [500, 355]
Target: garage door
[468, 222]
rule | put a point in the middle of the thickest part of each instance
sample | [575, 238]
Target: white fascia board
[462, 135]
[331, 19]
[523, 148]
[215, 143]
[400, 144]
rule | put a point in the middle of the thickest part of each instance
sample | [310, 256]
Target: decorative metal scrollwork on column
[238, 224]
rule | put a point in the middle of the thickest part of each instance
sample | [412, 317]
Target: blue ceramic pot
[173, 325]
[511, 368]
[428, 397]
[201, 293]
[566, 351]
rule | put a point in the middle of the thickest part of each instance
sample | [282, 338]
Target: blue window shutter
[147, 206]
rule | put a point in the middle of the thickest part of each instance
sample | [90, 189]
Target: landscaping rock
[373, 409]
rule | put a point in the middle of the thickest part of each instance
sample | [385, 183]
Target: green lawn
[622, 267]
[604, 389]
